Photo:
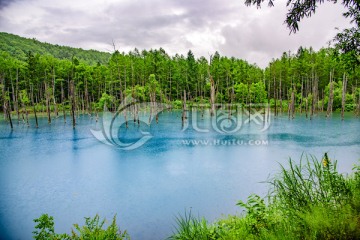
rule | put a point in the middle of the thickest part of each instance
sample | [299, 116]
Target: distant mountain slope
[18, 47]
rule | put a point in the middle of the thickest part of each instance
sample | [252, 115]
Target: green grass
[308, 200]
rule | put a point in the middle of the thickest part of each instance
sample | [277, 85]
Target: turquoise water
[69, 174]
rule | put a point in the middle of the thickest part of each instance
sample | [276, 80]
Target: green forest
[40, 77]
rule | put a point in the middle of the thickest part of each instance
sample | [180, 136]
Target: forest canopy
[40, 74]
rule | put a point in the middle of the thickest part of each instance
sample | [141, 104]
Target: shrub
[93, 229]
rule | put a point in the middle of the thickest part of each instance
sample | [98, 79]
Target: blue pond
[70, 175]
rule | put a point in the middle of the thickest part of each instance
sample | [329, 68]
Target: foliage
[348, 41]
[24, 97]
[105, 101]
[256, 211]
[19, 48]
[309, 200]
[93, 229]
[298, 9]
[45, 229]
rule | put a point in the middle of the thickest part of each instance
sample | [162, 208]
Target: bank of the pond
[308, 200]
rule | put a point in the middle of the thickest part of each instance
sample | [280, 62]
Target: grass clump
[307, 200]
[191, 227]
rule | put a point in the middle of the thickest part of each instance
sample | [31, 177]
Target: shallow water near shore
[70, 175]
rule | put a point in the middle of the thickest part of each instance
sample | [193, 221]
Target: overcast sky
[204, 26]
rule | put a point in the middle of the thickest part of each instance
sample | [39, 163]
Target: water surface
[69, 174]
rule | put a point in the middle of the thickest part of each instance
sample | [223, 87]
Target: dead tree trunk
[358, 106]
[17, 95]
[343, 100]
[275, 98]
[62, 101]
[268, 100]
[14, 98]
[47, 98]
[323, 101]
[7, 110]
[133, 107]
[331, 96]
[54, 99]
[280, 96]
[72, 97]
[293, 104]
[26, 114]
[152, 103]
[212, 93]
[183, 117]
[314, 95]
[302, 94]
[34, 107]
[289, 105]
[2, 84]
[87, 97]
[306, 96]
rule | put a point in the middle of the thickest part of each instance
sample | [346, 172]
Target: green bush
[93, 229]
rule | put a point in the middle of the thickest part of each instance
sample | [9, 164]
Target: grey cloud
[151, 24]
[5, 3]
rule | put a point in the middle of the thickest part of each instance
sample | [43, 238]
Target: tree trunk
[302, 94]
[2, 83]
[47, 98]
[54, 99]
[212, 93]
[17, 95]
[7, 110]
[331, 96]
[13, 93]
[26, 114]
[323, 101]
[34, 107]
[358, 106]
[275, 98]
[314, 95]
[280, 97]
[62, 101]
[343, 96]
[293, 104]
[183, 118]
[87, 97]
[72, 94]
[212, 97]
